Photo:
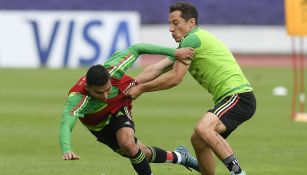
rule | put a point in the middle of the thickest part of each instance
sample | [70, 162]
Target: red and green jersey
[213, 66]
[95, 114]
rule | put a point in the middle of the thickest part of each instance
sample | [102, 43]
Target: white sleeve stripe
[81, 106]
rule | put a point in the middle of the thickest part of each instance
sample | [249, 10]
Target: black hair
[187, 10]
[97, 75]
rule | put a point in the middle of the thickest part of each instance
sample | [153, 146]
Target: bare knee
[203, 131]
[126, 141]
[206, 127]
[197, 142]
[129, 148]
[146, 151]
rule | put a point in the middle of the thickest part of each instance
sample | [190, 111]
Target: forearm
[153, 49]
[66, 127]
[147, 75]
[153, 71]
[167, 80]
[121, 61]
[64, 138]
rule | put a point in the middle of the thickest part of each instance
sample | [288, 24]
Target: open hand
[70, 156]
[185, 55]
[134, 91]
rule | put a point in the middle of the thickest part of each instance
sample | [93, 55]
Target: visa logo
[75, 32]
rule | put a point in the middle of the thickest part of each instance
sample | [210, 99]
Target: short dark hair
[97, 75]
[188, 11]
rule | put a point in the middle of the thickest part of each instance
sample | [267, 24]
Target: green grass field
[31, 102]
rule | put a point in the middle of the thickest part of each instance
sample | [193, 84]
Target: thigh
[234, 110]
[118, 121]
[125, 136]
[208, 121]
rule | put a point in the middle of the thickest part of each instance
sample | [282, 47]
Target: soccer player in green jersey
[216, 70]
[99, 102]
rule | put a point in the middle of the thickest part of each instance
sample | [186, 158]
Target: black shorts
[234, 110]
[119, 120]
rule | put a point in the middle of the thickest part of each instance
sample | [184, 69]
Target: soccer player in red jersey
[99, 102]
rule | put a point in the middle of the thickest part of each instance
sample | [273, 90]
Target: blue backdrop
[246, 12]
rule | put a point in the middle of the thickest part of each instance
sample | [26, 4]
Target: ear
[192, 22]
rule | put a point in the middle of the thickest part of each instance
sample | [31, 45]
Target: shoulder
[190, 40]
[79, 86]
[75, 98]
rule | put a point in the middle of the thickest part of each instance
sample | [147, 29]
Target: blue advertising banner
[64, 39]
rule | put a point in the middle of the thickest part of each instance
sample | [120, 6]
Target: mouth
[174, 36]
[103, 100]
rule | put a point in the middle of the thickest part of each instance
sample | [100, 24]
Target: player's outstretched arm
[153, 71]
[182, 54]
[165, 81]
[168, 80]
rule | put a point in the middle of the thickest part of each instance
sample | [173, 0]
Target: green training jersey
[213, 66]
[95, 114]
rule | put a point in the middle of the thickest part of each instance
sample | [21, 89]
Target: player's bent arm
[167, 80]
[153, 71]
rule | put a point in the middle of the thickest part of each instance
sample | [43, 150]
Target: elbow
[176, 80]
[137, 47]
[134, 46]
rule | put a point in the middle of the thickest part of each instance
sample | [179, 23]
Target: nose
[104, 96]
[171, 29]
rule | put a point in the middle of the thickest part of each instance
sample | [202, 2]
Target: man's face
[100, 93]
[178, 26]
